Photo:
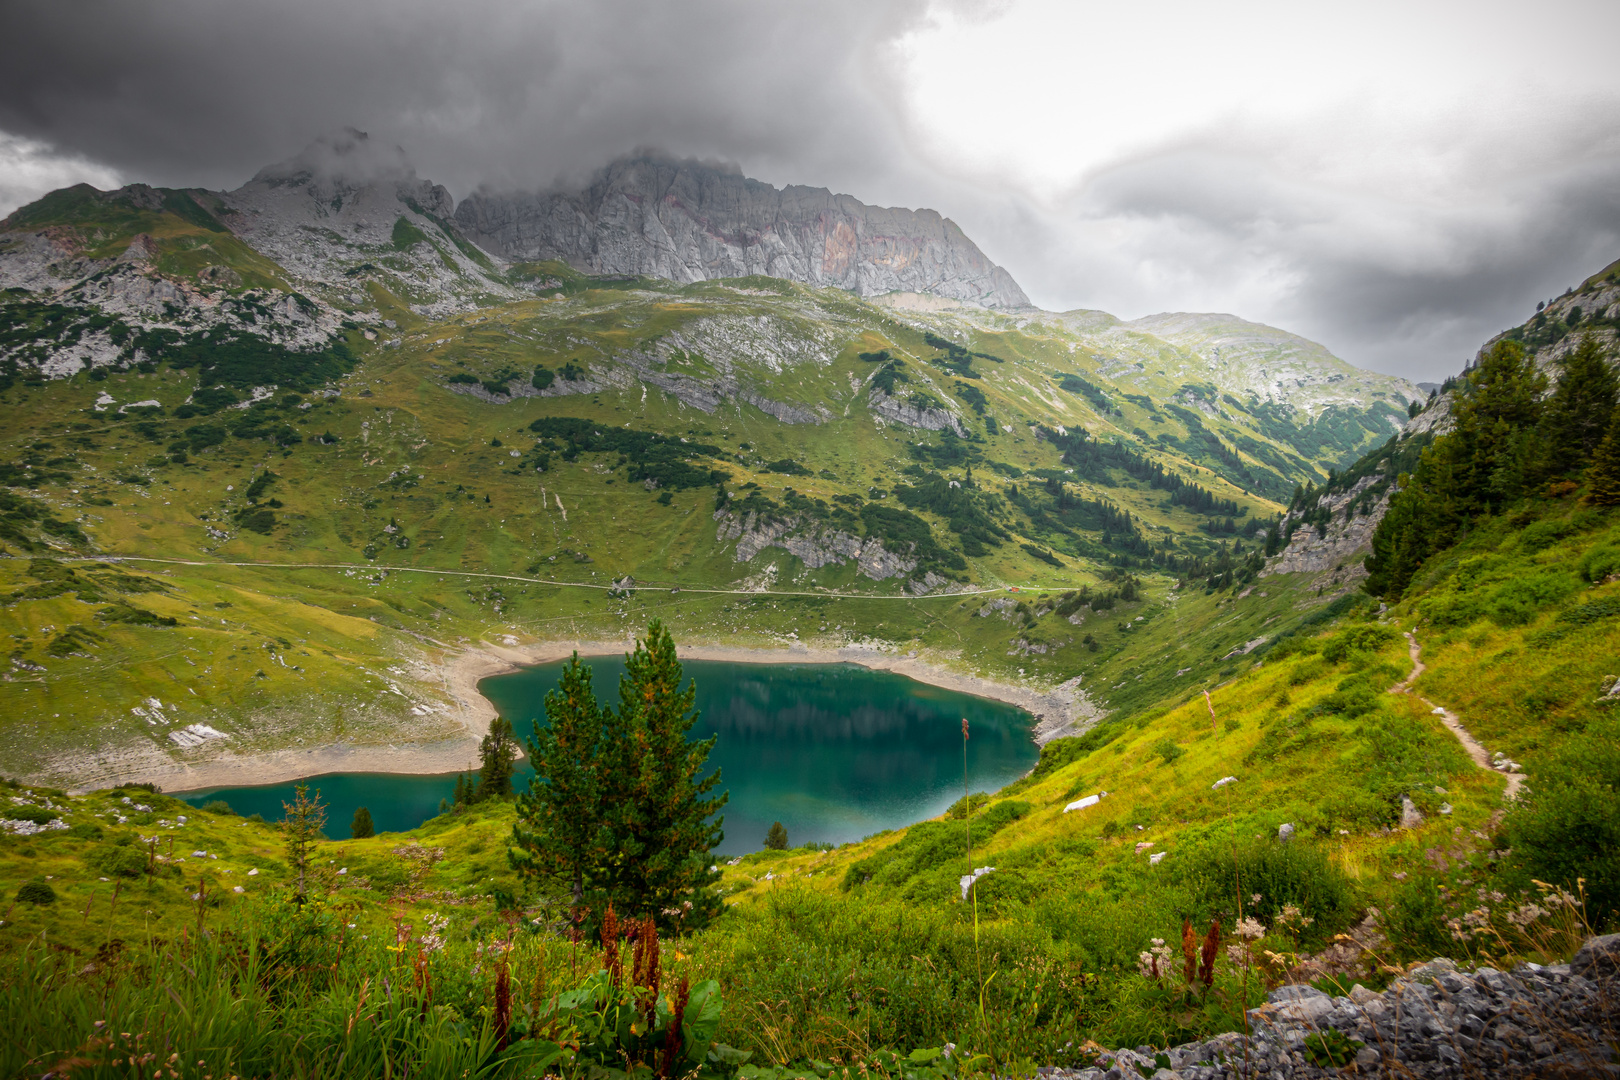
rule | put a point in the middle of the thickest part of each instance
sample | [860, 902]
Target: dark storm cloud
[197, 91]
[519, 95]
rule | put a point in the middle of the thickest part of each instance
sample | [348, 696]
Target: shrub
[218, 806]
[38, 815]
[1570, 827]
[36, 892]
[85, 831]
[1516, 602]
[1167, 749]
[1415, 920]
[1353, 639]
[1298, 872]
[116, 860]
[1599, 563]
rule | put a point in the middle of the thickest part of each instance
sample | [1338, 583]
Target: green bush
[1516, 602]
[85, 831]
[1599, 563]
[119, 860]
[1569, 827]
[37, 815]
[1215, 875]
[218, 806]
[1357, 639]
[37, 891]
[1167, 749]
[1415, 921]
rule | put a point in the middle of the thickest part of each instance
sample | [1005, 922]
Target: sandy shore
[1058, 711]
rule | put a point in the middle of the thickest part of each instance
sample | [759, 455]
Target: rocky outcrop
[687, 221]
[707, 394]
[329, 215]
[1343, 544]
[1436, 1021]
[816, 544]
[902, 411]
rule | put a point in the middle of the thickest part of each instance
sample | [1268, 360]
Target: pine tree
[662, 831]
[1603, 475]
[560, 818]
[361, 828]
[498, 751]
[302, 827]
[460, 798]
[776, 838]
[1478, 468]
[1578, 413]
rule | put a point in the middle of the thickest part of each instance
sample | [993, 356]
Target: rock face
[687, 221]
[332, 212]
[1343, 543]
[818, 545]
[1435, 1021]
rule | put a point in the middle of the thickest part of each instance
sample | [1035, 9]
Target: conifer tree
[459, 799]
[1578, 412]
[776, 838]
[1476, 469]
[661, 830]
[361, 828]
[302, 827]
[560, 818]
[498, 750]
[1603, 475]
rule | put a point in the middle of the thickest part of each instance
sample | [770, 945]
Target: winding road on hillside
[372, 568]
[1476, 752]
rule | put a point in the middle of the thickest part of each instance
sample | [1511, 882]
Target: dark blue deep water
[835, 752]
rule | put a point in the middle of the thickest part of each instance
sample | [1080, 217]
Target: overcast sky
[1396, 180]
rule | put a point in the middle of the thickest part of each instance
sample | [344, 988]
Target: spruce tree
[560, 818]
[1603, 475]
[1578, 412]
[302, 827]
[361, 828]
[662, 832]
[498, 751]
[776, 838]
[1479, 467]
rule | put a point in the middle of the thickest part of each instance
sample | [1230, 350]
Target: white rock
[967, 880]
[1222, 782]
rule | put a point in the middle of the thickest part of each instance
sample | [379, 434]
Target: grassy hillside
[550, 448]
[838, 954]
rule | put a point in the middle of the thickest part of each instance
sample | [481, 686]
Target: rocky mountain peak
[344, 161]
[687, 220]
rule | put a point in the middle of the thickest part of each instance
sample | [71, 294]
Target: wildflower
[1156, 961]
[1249, 929]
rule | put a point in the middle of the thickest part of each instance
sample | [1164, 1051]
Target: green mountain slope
[524, 455]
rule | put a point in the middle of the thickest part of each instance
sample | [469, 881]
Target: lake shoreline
[1058, 711]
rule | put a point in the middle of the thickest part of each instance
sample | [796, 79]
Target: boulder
[1598, 959]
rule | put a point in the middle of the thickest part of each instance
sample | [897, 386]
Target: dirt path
[1515, 780]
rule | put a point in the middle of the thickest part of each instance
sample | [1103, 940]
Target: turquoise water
[835, 752]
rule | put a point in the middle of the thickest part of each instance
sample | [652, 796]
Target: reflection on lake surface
[833, 751]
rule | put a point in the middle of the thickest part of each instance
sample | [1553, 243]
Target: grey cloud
[519, 96]
[194, 91]
[1402, 286]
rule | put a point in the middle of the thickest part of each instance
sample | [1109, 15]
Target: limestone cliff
[687, 221]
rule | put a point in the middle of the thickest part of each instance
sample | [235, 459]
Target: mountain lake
[836, 752]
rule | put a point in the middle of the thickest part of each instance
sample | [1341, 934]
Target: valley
[289, 470]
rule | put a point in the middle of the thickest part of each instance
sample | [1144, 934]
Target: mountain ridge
[687, 221]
